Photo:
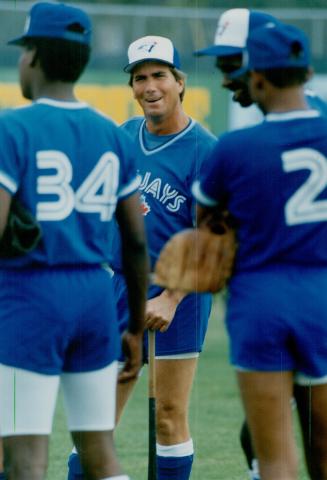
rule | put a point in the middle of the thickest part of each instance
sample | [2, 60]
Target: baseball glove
[196, 260]
[22, 233]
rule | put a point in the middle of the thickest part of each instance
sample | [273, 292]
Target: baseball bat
[152, 459]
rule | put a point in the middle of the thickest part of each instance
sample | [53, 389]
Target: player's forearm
[174, 295]
[135, 259]
[5, 199]
[136, 271]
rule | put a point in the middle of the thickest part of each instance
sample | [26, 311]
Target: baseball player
[234, 27]
[58, 318]
[273, 180]
[169, 147]
[232, 31]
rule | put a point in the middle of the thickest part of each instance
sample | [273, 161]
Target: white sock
[254, 472]
[119, 477]
[179, 450]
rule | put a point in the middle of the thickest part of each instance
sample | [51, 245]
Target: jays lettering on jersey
[273, 177]
[168, 166]
[69, 165]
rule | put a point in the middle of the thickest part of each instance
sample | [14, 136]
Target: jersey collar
[294, 115]
[164, 145]
[61, 103]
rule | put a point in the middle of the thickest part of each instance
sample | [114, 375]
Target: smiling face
[157, 90]
[239, 86]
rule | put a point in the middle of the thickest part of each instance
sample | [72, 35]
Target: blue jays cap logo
[221, 28]
[148, 47]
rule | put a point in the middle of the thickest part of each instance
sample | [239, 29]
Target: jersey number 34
[97, 193]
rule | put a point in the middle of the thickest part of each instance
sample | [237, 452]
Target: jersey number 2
[97, 194]
[303, 207]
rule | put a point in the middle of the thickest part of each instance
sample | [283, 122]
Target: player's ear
[257, 80]
[181, 84]
[131, 84]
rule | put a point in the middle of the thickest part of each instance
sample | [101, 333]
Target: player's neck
[167, 125]
[56, 90]
[286, 100]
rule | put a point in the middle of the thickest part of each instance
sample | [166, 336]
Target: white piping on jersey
[310, 93]
[297, 114]
[202, 197]
[8, 182]
[62, 104]
[21, 107]
[131, 187]
[178, 136]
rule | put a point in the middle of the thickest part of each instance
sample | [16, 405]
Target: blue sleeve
[205, 145]
[129, 180]
[9, 158]
[209, 189]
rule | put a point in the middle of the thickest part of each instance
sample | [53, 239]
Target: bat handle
[152, 463]
[152, 360]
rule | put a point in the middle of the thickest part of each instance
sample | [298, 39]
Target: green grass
[215, 417]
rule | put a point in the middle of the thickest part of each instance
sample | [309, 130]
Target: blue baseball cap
[152, 49]
[234, 27]
[275, 46]
[53, 20]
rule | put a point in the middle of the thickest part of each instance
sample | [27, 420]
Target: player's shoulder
[203, 133]
[132, 125]
[8, 114]
[235, 145]
[107, 124]
[99, 117]
[235, 138]
[194, 139]
[44, 106]
[15, 119]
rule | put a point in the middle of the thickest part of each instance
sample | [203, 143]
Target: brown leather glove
[196, 260]
[22, 233]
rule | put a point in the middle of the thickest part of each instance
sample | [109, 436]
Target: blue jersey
[168, 171]
[273, 179]
[168, 165]
[68, 165]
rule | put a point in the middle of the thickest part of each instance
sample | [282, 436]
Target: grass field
[215, 417]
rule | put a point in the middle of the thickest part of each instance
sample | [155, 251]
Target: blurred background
[190, 24]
